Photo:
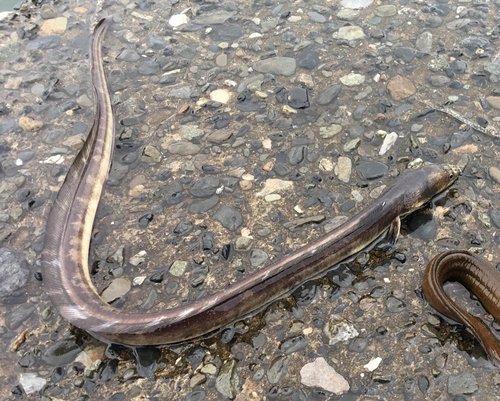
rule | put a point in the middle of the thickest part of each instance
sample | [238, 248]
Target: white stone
[320, 374]
[350, 32]
[389, 140]
[274, 185]
[31, 382]
[325, 165]
[220, 95]
[352, 79]
[4, 16]
[356, 3]
[373, 364]
[178, 20]
[138, 280]
[272, 197]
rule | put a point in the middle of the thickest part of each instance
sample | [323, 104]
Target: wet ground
[212, 101]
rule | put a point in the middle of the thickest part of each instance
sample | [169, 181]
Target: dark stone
[14, 272]
[308, 59]
[298, 98]
[329, 95]
[229, 217]
[372, 170]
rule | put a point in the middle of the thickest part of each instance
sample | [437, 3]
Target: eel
[64, 259]
[477, 275]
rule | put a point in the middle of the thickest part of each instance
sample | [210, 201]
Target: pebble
[352, 79]
[227, 380]
[400, 87]
[329, 95]
[189, 132]
[388, 10]
[351, 32]
[272, 197]
[54, 25]
[31, 382]
[389, 140]
[343, 169]
[220, 95]
[258, 257]
[61, 352]
[285, 66]
[338, 330]
[320, 374]
[14, 272]
[178, 20]
[116, 289]
[372, 170]
[18, 316]
[278, 369]
[44, 43]
[229, 217]
[178, 268]
[464, 383]
[184, 148]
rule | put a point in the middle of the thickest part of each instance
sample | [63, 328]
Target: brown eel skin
[478, 276]
[69, 227]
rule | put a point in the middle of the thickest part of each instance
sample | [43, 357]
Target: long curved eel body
[477, 275]
[65, 256]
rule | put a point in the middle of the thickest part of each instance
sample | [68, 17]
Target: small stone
[243, 243]
[350, 32]
[373, 364]
[329, 95]
[400, 87]
[178, 20]
[438, 81]
[464, 383]
[329, 132]
[246, 185]
[326, 165]
[118, 288]
[387, 10]
[258, 257]
[151, 155]
[229, 217]
[138, 258]
[352, 145]
[220, 95]
[389, 140]
[178, 268]
[184, 148]
[348, 14]
[220, 136]
[352, 79]
[13, 83]
[14, 272]
[343, 169]
[272, 197]
[495, 174]
[227, 380]
[320, 374]
[276, 65]
[31, 382]
[494, 101]
[338, 329]
[424, 42]
[278, 369]
[272, 185]
[54, 26]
